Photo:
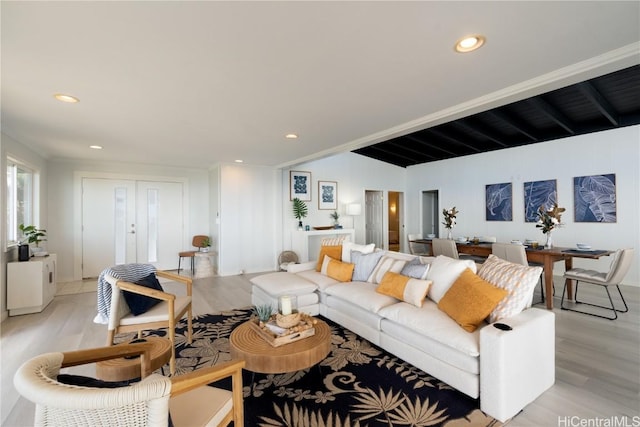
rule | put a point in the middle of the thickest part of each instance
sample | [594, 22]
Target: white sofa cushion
[282, 283]
[430, 322]
[361, 294]
[443, 272]
[318, 278]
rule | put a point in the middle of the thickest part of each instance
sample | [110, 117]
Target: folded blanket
[126, 272]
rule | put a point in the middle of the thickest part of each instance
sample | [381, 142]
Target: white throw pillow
[518, 280]
[443, 272]
[386, 264]
[347, 247]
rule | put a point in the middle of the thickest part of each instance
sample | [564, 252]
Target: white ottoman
[268, 287]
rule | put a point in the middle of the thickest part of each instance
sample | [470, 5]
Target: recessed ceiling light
[66, 98]
[469, 43]
[291, 136]
[96, 147]
[239, 161]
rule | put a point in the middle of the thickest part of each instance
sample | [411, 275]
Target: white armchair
[186, 398]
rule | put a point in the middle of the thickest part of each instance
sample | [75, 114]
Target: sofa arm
[517, 365]
[296, 268]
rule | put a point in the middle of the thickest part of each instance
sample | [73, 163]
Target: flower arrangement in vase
[449, 219]
[548, 220]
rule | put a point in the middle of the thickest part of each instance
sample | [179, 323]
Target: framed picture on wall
[499, 202]
[300, 185]
[327, 195]
[536, 194]
[594, 198]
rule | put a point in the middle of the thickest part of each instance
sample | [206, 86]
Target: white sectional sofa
[506, 369]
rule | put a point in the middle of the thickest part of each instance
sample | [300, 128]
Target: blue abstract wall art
[499, 202]
[536, 194]
[594, 198]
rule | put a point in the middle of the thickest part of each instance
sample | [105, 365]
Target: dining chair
[517, 255]
[164, 314]
[154, 400]
[415, 248]
[199, 242]
[446, 247]
[618, 269]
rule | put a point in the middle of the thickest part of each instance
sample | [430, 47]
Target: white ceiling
[199, 83]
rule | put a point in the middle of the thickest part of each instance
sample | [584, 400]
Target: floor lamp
[354, 210]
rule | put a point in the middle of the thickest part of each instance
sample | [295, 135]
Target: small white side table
[203, 264]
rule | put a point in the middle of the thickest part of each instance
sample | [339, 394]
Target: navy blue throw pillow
[139, 304]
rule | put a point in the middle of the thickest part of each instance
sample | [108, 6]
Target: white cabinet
[307, 243]
[31, 285]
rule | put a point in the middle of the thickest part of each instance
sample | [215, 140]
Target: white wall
[354, 174]
[10, 147]
[63, 231]
[249, 212]
[461, 183]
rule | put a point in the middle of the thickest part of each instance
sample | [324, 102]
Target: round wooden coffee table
[262, 357]
[123, 369]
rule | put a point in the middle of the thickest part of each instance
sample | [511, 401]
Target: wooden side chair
[619, 268]
[165, 314]
[186, 399]
[199, 242]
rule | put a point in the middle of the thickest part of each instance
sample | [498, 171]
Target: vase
[549, 243]
[449, 235]
[300, 227]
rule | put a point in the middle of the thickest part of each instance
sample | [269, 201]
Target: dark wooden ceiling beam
[553, 113]
[430, 145]
[386, 149]
[445, 136]
[480, 129]
[423, 154]
[596, 98]
[516, 123]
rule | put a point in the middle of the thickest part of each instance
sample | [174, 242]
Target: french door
[125, 221]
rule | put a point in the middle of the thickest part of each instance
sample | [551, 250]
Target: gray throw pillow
[364, 264]
[415, 269]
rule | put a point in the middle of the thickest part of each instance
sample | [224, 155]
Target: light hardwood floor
[597, 360]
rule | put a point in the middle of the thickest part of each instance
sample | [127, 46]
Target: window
[20, 198]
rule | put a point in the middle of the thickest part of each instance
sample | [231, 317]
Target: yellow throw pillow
[404, 288]
[334, 252]
[470, 300]
[340, 271]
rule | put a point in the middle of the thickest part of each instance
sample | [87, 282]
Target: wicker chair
[185, 398]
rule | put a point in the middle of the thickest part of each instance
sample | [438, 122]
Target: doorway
[126, 221]
[430, 211]
[374, 217]
[396, 225]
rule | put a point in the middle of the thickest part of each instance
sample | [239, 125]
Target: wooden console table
[307, 243]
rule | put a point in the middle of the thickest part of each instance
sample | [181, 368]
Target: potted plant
[206, 244]
[335, 216]
[299, 211]
[31, 235]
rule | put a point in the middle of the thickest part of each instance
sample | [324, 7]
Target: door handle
[132, 232]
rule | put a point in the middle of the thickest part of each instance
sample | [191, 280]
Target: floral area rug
[358, 384]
